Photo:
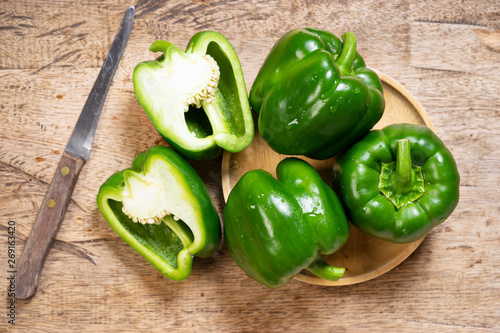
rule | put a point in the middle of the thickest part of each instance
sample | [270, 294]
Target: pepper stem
[321, 269]
[344, 61]
[403, 174]
[401, 181]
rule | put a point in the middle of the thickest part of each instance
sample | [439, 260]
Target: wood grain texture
[444, 52]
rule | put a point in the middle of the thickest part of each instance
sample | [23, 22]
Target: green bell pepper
[197, 99]
[162, 209]
[276, 228]
[398, 183]
[314, 94]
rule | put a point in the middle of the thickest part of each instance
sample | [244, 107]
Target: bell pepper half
[196, 99]
[276, 228]
[314, 94]
[162, 209]
[398, 183]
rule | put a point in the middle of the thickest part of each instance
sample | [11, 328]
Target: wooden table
[445, 52]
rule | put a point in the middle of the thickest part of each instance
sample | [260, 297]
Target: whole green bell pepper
[314, 94]
[276, 228]
[162, 209]
[197, 99]
[398, 183]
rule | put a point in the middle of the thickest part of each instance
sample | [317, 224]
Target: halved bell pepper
[162, 209]
[398, 183]
[197, 99]
[314, 94]
[276, 228]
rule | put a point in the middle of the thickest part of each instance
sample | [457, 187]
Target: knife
[63, 182]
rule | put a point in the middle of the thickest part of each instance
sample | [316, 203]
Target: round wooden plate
[363, 256]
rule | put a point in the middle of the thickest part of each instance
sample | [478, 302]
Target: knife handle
[47, 223]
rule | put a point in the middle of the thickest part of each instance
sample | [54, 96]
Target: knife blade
[56, 200]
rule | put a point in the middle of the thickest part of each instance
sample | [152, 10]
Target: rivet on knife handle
[77, 151]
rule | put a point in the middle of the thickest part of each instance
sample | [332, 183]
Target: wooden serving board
[363, 256]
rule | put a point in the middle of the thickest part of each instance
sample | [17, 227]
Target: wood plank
[93, 281]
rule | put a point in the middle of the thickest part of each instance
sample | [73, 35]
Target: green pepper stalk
[197, 99]
[346, 58]
[162, 209]
[402, 179]
[314, 94]
[276, 228]
[398, 183]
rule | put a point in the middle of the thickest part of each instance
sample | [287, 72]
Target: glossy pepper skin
[162, 209]
[276, 228]
[196, 99]
[398, 183]
[314, 94]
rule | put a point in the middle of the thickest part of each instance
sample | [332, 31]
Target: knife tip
[129, 14]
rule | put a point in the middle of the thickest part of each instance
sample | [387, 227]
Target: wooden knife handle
[47, 223]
